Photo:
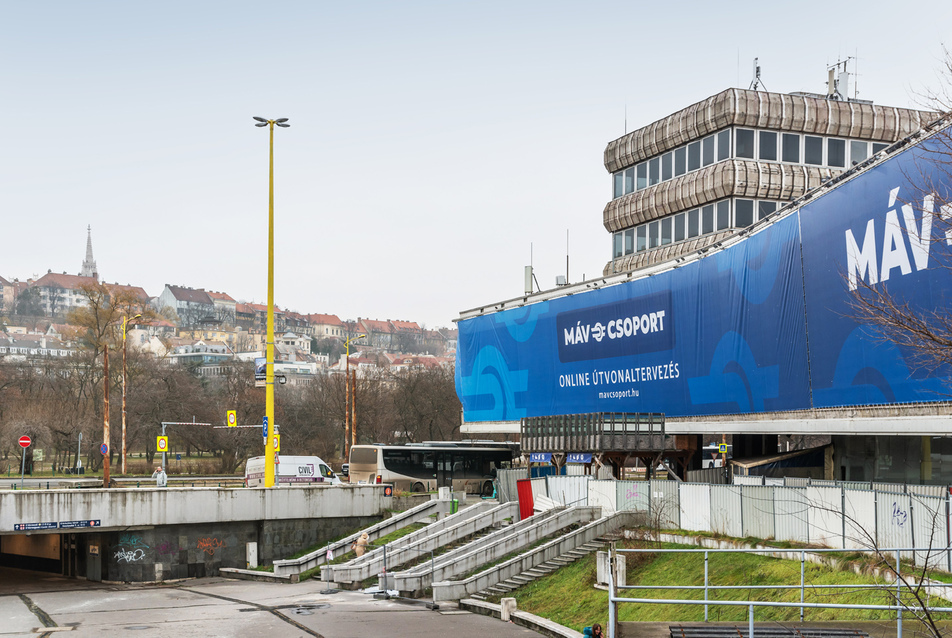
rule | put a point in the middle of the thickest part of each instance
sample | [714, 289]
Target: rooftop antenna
[838, 80]
[756, 82]
[529, 275]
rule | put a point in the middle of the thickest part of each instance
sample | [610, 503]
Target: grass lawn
[568, 596]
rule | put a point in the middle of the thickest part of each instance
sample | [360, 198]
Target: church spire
[89, 264]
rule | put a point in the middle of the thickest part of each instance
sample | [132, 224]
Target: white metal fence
[828, 513]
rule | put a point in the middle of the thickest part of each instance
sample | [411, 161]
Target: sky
[435, 147]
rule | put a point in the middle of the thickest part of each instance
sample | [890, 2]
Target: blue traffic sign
[104, 449]
[264, 427]
[26, 527]
[78, 524]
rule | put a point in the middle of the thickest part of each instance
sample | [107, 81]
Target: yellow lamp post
[350, 425]
[124, 323]
[269, 447]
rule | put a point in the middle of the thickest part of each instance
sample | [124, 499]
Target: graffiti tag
[131, 540]
[209, 545]
[632, 492]
[165, 548]
[899, 515]
[129, 555]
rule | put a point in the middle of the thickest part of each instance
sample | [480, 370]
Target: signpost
[24, 442]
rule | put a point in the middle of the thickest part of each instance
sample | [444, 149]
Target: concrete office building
[694, 177]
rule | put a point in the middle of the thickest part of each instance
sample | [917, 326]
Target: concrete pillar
[251, 554]
[621, 570]
[507, 607]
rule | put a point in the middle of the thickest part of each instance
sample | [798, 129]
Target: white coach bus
[423, 467]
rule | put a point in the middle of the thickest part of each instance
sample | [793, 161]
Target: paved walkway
[218, 607]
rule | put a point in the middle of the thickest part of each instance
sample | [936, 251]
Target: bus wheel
[488, 488]
[418, 488]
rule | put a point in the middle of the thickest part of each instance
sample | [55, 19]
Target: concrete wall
[125, 508]
[192, 551]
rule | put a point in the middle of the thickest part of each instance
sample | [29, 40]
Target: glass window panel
[723, 214]
[836, 153]
[680, 161]
[707, 219]
[629, 180]
[813, 150]
[653, 232]
[791, 148]
[859, 151]
[666, 231]
[629, 241]
[694, 223]
[694, 156]
[707, 150]
[666, 167]
[878, 147]
[765, 208]
[619, 185]
[744, 146]
[743, 213]
[679, 227]
[642, 181]
[654, 172]
[723, 145]
[617, 246]
[642, 232]
[768, 146]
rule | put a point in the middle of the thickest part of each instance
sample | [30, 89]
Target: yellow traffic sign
[162, 443]
[232, 418]
[277, 442]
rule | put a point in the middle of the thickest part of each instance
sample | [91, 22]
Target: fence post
[802, 579]
[750, 622]
[899, 593]
[612, 593]
[705, 585]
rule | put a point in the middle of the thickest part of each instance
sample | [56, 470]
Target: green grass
[568, 596]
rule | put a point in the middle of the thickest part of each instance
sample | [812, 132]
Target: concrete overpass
[167, 533]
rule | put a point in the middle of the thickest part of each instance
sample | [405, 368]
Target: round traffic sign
[104, 449]
[25, 441]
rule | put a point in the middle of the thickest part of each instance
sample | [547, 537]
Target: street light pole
[350, 427]
[124, 322]
[269, 454]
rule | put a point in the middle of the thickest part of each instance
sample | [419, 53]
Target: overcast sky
[431, 143]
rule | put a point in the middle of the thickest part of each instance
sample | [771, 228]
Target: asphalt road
[30, 602]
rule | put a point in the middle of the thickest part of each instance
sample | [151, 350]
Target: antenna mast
[756, 82]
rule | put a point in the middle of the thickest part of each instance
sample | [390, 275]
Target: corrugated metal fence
[834, 514]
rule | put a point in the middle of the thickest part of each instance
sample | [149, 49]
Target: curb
[521, 618]
[250, 574]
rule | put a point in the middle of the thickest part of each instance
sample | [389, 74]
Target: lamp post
[350, 426]
[269, 448]
[125, 322]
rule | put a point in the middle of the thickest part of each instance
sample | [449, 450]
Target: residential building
[193, 307]
[325, 326]
[224, 307]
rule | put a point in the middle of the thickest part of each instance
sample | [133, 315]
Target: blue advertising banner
[723, 334]
[877, 229]
[764, 325]
[540, 457]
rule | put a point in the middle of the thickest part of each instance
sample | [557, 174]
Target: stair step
[478, 596]
[562, 561]
[535, 572]
[522, 579]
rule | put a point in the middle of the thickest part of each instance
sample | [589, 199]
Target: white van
[291, 470]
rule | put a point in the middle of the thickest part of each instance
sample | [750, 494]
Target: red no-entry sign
[25, 441]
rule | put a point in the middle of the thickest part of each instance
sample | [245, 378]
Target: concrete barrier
[381, 529]
[492, 547]
[50, 511]
[456, 590]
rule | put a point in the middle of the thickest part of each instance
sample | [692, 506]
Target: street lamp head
[282, 124]
[259, 119]
[281, 120]
[262, 124]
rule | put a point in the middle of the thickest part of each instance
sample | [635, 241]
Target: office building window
[768, 146]
[723, 214]
[743, 213]
[666, 231]
[694, 222]
[679, 229]
[666, 168]
[707, 219]
[859, 152]
[744, 143]
[765, 208]
[629, 241]
[791, 148]
[836, 153]
[694, 156]
[707, 150]
[680, 161]
[724, 145]
[653, 234]
[813, 150]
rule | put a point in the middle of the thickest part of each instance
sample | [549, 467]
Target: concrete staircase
[515, 582]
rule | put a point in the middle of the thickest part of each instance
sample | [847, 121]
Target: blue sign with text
[728, 333]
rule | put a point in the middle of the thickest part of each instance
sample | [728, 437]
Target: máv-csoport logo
[633, 326]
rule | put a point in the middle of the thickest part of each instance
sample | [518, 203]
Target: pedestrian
[159, 475]
[360, 545]
[595, 631]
